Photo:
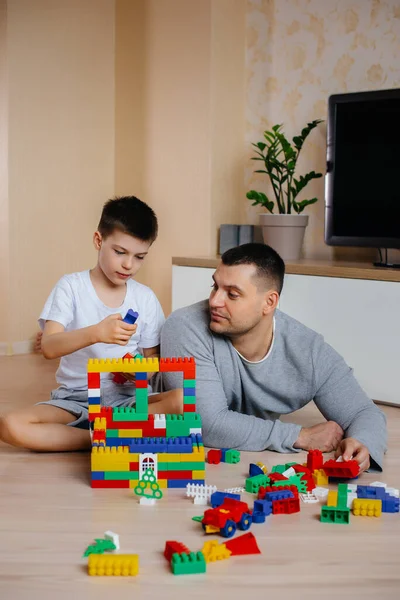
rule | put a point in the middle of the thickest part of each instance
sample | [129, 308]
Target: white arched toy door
[148, 460]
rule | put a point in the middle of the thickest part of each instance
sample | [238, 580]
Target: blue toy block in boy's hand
[131, 317]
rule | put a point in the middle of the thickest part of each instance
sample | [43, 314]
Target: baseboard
[11, 348]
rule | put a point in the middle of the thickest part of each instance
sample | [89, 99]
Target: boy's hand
[352, 449]
[324, 436]
[113, 330]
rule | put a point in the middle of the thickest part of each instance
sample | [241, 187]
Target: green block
[111, 433]
[334, 514]
[189, 400]
[188, 564]
[288, 465]
[232, 456]
[294, 480]
[119, 475]
[142, 400]
[164, 466]
[278, 469]
[185, 466]
[342, 496]
[129, 413]
[180, 425]
[253, 484]
[189, 383]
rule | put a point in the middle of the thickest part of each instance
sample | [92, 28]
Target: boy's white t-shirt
[74, 303]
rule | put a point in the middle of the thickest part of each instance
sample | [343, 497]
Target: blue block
[279, 495]
[94, 400]
[217, 498]
[131, 317]
[371, 492]
[154, 445]
[223, 453]
[259, 517]
[196, 439]
[98, 475]
[141, 376]
[390, 504]
[180, 445]
[189, 391]
[118, 442]
[182, 483]
[255, 470]
[264, 506]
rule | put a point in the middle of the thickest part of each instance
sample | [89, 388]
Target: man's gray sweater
[240, 402]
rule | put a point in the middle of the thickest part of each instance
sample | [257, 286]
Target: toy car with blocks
[227, 517]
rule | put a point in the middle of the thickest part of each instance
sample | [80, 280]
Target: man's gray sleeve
[222, 428]
[340, 398]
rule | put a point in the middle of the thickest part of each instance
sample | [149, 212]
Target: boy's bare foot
[37, 346]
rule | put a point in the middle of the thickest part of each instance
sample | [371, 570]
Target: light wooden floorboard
[49, 514]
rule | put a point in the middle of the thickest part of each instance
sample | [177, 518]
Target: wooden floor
[49, 515]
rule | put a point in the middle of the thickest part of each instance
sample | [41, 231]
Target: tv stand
[386, 265]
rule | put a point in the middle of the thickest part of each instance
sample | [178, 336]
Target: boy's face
[120, 255]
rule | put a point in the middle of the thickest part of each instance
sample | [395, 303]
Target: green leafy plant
[280, 159]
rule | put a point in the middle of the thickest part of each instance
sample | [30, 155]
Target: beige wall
[189, 138]
[299, 52]
[60, 58]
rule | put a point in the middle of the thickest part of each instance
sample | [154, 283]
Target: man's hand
[324, 436]
[352, 449]
[113, 330]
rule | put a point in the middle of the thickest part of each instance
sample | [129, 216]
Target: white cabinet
[360, 318]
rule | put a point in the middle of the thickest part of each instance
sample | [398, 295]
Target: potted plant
[283, 231]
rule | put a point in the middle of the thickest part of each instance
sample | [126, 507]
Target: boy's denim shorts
[76, 401]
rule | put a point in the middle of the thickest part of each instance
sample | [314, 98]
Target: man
[255, 363]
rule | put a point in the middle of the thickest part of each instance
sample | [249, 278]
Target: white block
[290, 472]
[94, 393]
[377, 484]
[147, 501]
[321, 492]
[195, 430]
[114, 537]
[351, 487]
[350, 497]
[202, 500]
[309, 498]
[392, 492]
[159, 422]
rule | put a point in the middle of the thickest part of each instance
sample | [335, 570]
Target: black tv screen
[362, 188]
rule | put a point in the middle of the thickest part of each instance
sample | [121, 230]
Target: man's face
[120, 255]
[236, 303]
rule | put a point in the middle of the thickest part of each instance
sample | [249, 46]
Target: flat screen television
[362, 185]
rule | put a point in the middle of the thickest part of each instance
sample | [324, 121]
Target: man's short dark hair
[129, 215]
[270, 267]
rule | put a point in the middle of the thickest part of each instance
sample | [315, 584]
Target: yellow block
[170, 458]
[364, 507]
[94, 408]
[135, 433]
[198, 474]
[214, 551]
[123, 365]
[332, 498]
[113, 564]
[320, 477]
[100, 424]
[163, 483]
[112, 459]
[197, 455]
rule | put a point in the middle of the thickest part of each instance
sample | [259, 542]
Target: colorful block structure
[128, 440]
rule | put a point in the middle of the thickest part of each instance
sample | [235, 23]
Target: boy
[83, 318]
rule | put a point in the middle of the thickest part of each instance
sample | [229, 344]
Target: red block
[214, 457]
[134, 466]
[186, 365]
[346, 470]
[315, 460]
[102, 483]
[175, 475]
[277, 477]
[141, 383]
[243, 544]
[187, 408]
[285, 506]
[172, 547]
[93, 381]
[99, 436]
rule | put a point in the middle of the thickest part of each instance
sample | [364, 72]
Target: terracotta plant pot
[284, 233]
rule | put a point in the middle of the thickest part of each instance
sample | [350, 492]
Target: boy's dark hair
[270, 267]
[130, 215]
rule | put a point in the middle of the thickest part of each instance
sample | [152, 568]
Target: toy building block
[342, 495]
[278, 495]
[99, 547]
[255, 470]
[148, 488]
[263, 491]
[214, 457]
[243, 544]
[228, 455]
[309, 498]
[174, 547]
[263, 506]
[114, 537]
[288, 473]
[296, 480]
[200, 493]
[277, 477]
[321, 492]
[253, 484]
[332, 514]
[320, 477]
[131, 317]
[263, 467]
[188, 564]
[218, 498]
[342, 469]
[286, 506]
[315, 460]
[363, 507]
[213, 551]
[332, 498]
[113, 565]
